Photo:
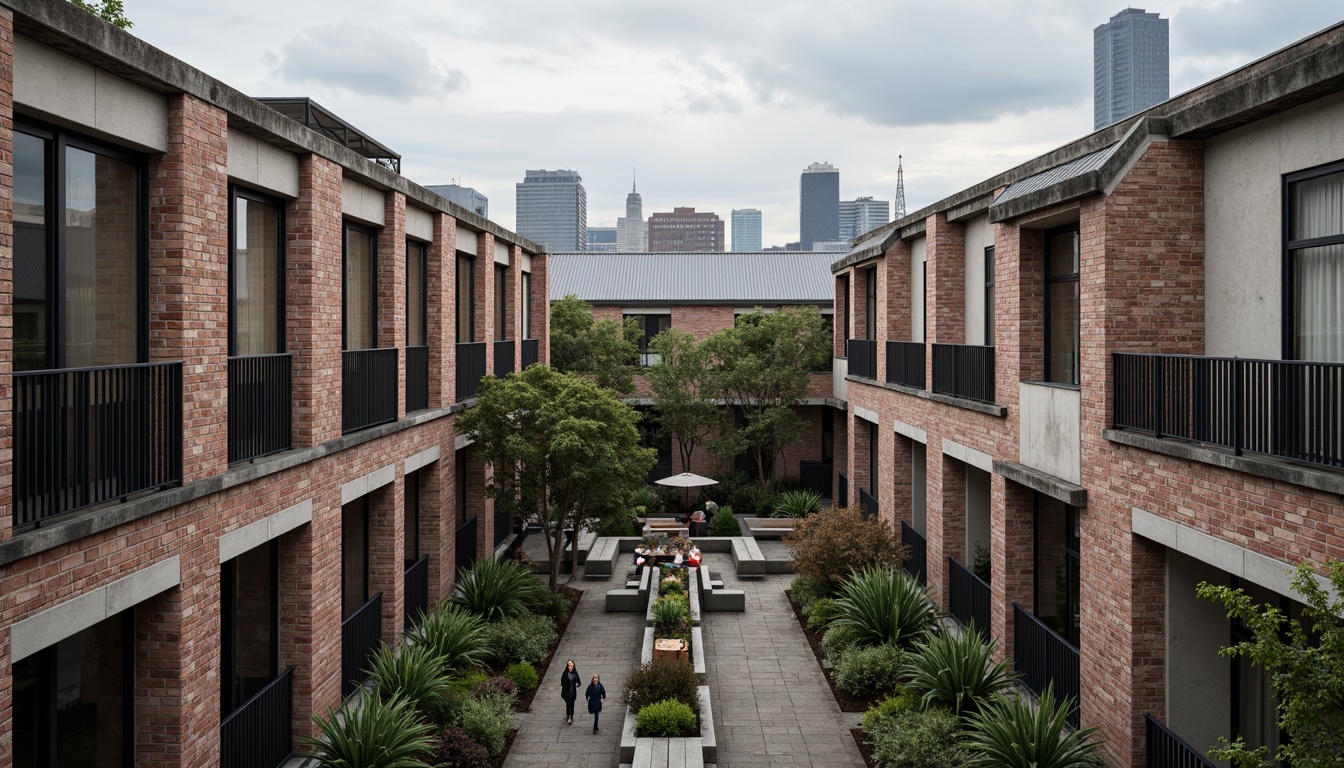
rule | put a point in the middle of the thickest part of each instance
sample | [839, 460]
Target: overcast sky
[717, 104]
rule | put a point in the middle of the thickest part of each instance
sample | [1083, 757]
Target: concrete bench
[767, 527]
[713, 597]
[586, 540]
[602, 557]
[747, 557]
[668, 753]
[631, 600]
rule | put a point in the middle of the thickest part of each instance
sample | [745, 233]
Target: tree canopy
[683, 388]
[111, 11]
[603, 350]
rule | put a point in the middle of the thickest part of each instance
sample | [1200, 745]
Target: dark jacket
[594, 695]
[569, 685]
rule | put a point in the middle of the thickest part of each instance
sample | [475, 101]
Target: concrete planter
[646, 753]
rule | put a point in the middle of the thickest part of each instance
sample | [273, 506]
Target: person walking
[595, 695]
[569, 689]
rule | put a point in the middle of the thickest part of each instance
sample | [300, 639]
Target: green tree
[683, 390]
[1305, 664]
[603, 350]
[760, 369]
[563, 449]
[111, 11]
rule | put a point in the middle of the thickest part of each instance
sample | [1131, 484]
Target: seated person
[678, 561]
[699, 526]
[693, 561]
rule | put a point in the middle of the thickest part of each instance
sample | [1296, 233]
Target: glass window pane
[411, 522]
[27, 705]
[415, 295]
[256, 621]
[1062, 339]
[1062, 254]
[90, 695]
[1318, 298]
[354, 556]
[526, 294]
[256, 278]
[30, 253]
[102, 291]
[360, 286]
[1318, 207]
[501, 303]
[466, 300]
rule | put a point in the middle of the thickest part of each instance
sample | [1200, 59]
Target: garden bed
[846, 702]
[865, 748]
[573, 596]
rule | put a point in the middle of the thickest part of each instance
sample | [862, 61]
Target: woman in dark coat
[595, 695]
[569, 689]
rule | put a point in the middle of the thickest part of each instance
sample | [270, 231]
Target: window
[872, 459]
[416, 294]
[827, 435]
[870, 305]
[1057, 566]
[526, 296]
[466, 299]
[361, 288]
[989, 296]
[354, 556]
[501, 304]
[1062, 305]
[411, 518]
[256, 274]
[460, 488]
[845, 297]
[81, 264]
[1313, 265]
[650, 326]
[250, 622]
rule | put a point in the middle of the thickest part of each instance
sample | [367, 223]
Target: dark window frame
[229, 698]
[347, 227]
[424, 291]
[244, 193]
[470, 335]
[1074, 277]
[643, 319]
[363, 501]
[501, 303]
[870, 303]
[989, 296]
[525, 298]
[849, 309]
[1072, 557]
[1288, 323]
[411, 504]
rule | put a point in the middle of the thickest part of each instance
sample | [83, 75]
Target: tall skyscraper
[602, 240]
[1130, 66]
[746, 230]
[684, 230]
[464, 196]
[553, 210]
[819, 204]
[632, 232]
[862, 214]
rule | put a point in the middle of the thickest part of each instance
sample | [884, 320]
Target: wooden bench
[747, 557]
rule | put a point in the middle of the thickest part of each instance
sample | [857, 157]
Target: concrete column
[313, 301]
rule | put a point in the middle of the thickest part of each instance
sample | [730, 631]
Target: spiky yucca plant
[884, 605]
[796, 504]
[1014, 733]
[493, 589]
[376, 734]
[454, 635]
[416, 673]
[957, 670]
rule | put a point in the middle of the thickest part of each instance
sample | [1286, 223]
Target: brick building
[229, 373]
[685, 231]
[1119, 368]
[701, 293]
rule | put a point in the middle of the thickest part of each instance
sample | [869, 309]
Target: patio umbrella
[687, 481]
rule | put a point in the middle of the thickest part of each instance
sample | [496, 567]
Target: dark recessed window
[466, 299]
[250, 623]
[501, 303]
[1057, 566]
[361, 288]
[870, 304]
[1062, 305]
[525, 293]
[256, 274]
[354, 556]
[416, 295]
[1313, 265]
[650, 326]
[989, 296]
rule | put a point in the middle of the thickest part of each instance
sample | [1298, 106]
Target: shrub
[670, 585]
[660, 680]
[455, 749]
[493, 589]
[795, 504]
[806, 590]
[624, 523]
[915, 739]
[414, 672]
[670, 611]
[886, 606]
[837, 641]
[957, 671]
[455, 635]
[888, 708]
[376, 734]
[523, 675]
[834, 543]
[742, 494]
[980, 564]
[1013, 733]
[552, 604]
[822, 613]
[496, 686]
[519, 638]
[724, 523]
[869, 671]
[468, 682]
[665, 719]
[487, 720]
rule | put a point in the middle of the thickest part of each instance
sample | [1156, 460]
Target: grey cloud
[358, 58]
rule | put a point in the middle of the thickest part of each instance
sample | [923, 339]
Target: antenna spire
[899, 204]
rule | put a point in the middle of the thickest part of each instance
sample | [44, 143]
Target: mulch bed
[498, 762]
[865, 748]
[847, 703]
[525, 699]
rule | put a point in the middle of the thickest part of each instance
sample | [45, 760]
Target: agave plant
[493, 589]
[414, 672]
[796, 504]
[453, 635]
[1013, 733]
[957, 670]
[376, 734]
[884, 606]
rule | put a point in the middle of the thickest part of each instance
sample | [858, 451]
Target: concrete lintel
[971, 209]
[59, 622]
[968, 455]
[1054, 487]
[1270, 469]
[235, 543]
[910, 431]
[367, 484]
[421, 459]
[460, 442]
[866, 414]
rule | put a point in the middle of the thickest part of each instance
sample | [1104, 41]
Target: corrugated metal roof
[1089, 162]
[777, 277]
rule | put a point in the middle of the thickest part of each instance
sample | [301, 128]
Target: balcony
[1167, 750]
[417, 379]
[816, 476]
[417, 591]
[503, 358]
[964, 370]
[843, 500]
[259, 406]
[1284, 409]
[868, 504]
[85, 436]
[862, 355]
[504, 526]
[1041, 656]
[918, 564]
[260, 733]
[470, 369]
[368, 388]
[970, 597]
[905, 363]
[361, 634]
[531, 352]
[465, 544]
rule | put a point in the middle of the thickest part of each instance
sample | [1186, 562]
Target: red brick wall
[6, 308]
[391, 271]
[313, 301]
[441, 311]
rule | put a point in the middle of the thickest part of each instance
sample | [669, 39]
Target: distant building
[819, 204]
[785, 247]
[464, 196]
[746, 230]
[1130, 66]
[553, 210]
[832, 246]
[602, 240]
[632, 232]
[860, 215]
[684, 230]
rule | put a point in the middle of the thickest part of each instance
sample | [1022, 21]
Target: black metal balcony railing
[843, 500]
[905, 363]
[531, 352]
[1282, 408]
[867, 503]
[918, 564]
[368, 388]
[503, 358]
[862, 354]
[504, 526]
[417, 379]
[361, 634]
[259, 405]
[84, 436]
[1040, 655]
[416, 601]
[1167, 750]
[470, 369]
[969, 596]
[260, 733]
[465, 543]
[964, 370]
[816, 476]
